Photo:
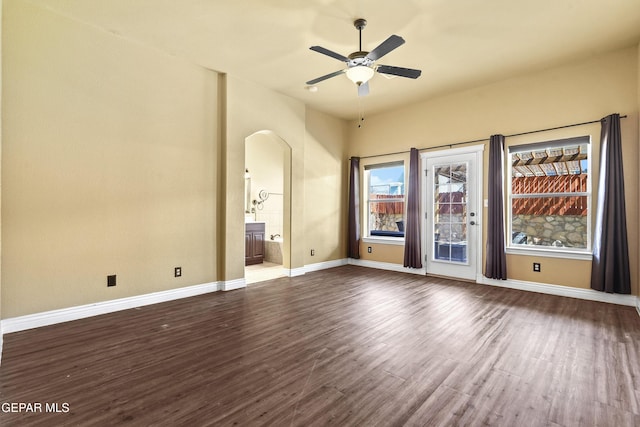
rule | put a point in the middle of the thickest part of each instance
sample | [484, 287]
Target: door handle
[472, 223]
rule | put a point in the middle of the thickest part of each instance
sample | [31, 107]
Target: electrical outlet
[313, 252]
[536, 267]
[177, 272]
[369, 249]
[111, 280]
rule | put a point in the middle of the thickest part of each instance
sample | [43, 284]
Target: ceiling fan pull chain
[360, 113]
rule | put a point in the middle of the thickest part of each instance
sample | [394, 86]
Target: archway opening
[267, 207]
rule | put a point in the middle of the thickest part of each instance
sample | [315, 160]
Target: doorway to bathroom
[267, 168]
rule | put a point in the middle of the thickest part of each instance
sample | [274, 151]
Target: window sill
[550, 253]
[384, 240]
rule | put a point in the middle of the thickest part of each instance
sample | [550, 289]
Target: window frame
[550, 251]
[367, 237]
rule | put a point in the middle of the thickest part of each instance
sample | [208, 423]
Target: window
[550, 195]
[385, 199]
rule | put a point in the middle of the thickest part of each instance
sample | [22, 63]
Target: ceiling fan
[361, 65]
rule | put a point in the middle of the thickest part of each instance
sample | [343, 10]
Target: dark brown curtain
[610, 265]
[354, 208]
[496, 261]
[412, 251]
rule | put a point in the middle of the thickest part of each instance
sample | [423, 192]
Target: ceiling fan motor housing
[359, 58]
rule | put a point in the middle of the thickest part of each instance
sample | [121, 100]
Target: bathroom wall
[264, 158]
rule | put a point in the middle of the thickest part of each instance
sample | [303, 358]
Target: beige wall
[108, 166]
[1, 36]
[578, 92]
[637, 236]
[325, 182]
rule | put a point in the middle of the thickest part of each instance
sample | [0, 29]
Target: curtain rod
[487, 139]
[558, 127]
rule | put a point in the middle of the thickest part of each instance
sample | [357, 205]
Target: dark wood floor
[345, 346]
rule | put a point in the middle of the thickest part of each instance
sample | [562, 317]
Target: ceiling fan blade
[385, 47]
[330, 53]
[399, 71]
[363, 89]
[325, 77]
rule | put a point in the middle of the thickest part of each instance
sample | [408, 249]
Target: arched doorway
[268, 205]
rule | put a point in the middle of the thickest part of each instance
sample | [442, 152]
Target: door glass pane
[450, 212]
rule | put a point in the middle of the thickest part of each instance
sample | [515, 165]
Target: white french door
[452, 211]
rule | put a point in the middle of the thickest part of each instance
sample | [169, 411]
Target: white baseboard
[559, 290]
[293, 272]
[324, 265]
[21, 323]
[386, 266]
[231, 285]
[563, 291]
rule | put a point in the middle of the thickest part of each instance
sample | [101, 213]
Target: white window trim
[566, 253]
[550, 253]
[399, 241]
[366, 236]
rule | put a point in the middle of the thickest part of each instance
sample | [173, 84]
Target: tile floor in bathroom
[261, 272]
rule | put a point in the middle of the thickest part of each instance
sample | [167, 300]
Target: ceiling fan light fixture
[360, 74]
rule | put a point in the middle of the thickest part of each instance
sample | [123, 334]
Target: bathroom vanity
[254, 243]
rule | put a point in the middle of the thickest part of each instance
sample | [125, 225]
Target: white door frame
[478, 151]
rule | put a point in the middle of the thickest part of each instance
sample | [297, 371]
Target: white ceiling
[456, 43]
